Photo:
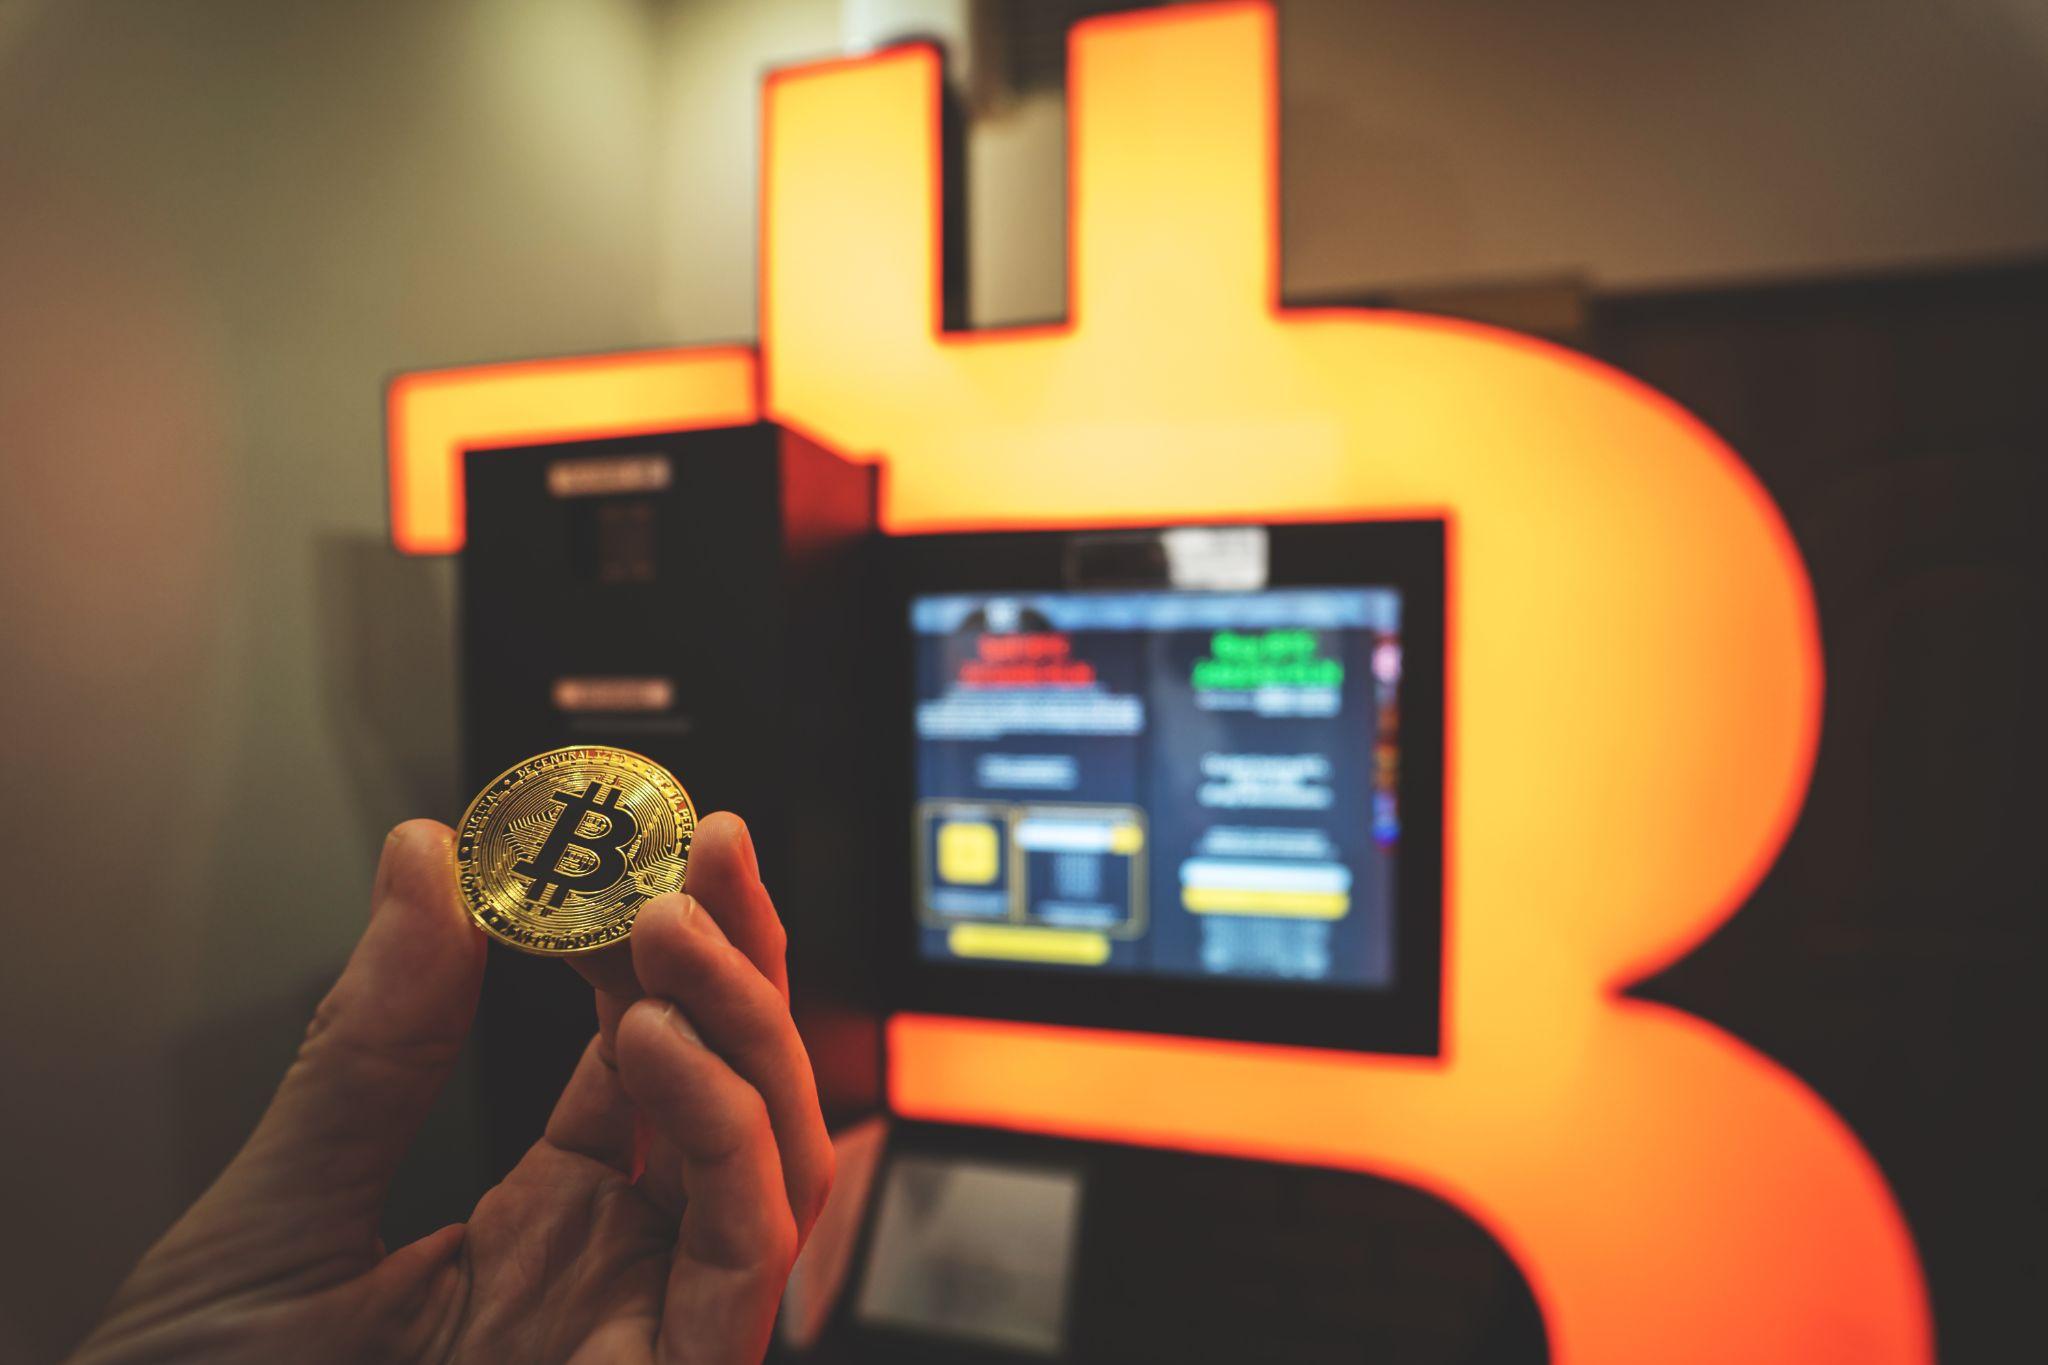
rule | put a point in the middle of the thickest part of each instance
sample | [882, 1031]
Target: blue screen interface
[1181, 784]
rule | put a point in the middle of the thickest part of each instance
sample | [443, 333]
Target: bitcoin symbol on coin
[605, 846]
[558, 854]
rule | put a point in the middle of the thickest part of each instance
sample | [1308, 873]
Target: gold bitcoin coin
[560, 852]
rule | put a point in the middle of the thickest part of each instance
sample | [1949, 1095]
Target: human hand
[656, 1220]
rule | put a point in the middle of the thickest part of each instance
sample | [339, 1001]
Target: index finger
[610, 973]
[725, 878]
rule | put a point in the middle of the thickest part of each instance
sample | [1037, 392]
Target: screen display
[1180, 784]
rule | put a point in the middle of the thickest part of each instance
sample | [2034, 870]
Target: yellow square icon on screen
[969, 852]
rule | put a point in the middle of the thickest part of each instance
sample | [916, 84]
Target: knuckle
[742, 1126]
[814, 1204]
[729, 961]
[754, 1120]
[818, 1194]
[781, 1243]
[755, 1006]
[324, 1015]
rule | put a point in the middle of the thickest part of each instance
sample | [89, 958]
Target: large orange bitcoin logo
[1634, 702]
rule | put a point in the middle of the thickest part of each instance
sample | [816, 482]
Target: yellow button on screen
[1016, 943]
[1219, 900]
[969, 852]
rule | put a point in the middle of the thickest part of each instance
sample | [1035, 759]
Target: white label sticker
[614, 694]
[595, 476]
[1216, 558]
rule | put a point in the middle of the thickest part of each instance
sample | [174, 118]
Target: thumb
[377, 1053]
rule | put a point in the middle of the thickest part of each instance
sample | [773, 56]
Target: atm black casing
[751, 604]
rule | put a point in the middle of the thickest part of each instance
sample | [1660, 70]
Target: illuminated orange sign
[432, 416]
[1634, 696]
[1634, 676]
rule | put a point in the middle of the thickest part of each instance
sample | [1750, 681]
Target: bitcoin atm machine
[1177, 781]
[1182, 781]
[694, 597]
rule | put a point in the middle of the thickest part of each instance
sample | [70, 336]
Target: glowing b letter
[1634, 689]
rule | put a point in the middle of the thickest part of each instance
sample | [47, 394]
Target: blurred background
[224, 224]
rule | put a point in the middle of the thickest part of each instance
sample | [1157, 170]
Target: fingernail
[673, 1017]
[685, 905]
[394, 852]
[380, 885]
[753, 857]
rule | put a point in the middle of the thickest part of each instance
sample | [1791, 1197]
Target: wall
[713, 56]
[1621, 144]
[222, 225]
[1657, 144]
